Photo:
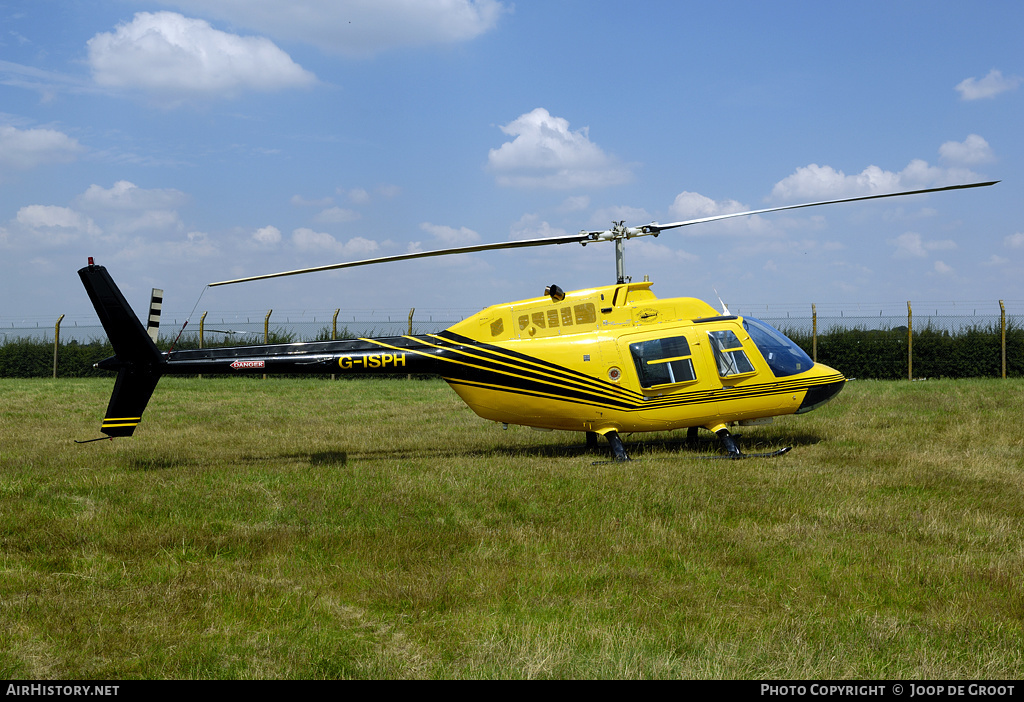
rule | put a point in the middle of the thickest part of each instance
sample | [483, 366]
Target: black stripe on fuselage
[477, 364]
[470, 362]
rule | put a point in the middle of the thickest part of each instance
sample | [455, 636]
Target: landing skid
[732, 448]
[741, 455]
[728, 441]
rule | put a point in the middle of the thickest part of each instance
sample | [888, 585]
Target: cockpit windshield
[782, 355]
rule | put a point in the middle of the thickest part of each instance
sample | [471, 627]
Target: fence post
[334, 333]
[202, 323]
[814, 332]
[56, 344]
[409, 377]
[266, 331]
[1002, 333]
[910, 342]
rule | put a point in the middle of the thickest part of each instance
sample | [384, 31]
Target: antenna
[725, 310]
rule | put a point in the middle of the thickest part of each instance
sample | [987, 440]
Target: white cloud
[51, 225]
[971, 151]
[689, 205]
[125, 195]
[574, 204]
[1014, 241]
[154, 221]
[942, 268]
[388, 191]
[267, 236]
[988, 87]
[300, 201]
[530, 226]
[308, 240]
[52, 216]
[109, 215]
[358, 27]
[126, 208]
[824, 182]
[188, 249]
[174, 57]
[337, 215]
[912, 245]
[545, 153]
[27, 148]
[450, 236]
[358, 196]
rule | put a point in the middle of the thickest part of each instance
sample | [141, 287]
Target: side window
[729, 354]
[663, 361]
[566, 316]
[585, 313]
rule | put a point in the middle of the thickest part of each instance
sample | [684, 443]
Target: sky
[191, 141]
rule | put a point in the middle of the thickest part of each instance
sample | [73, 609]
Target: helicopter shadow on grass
[705, 446]
[158, 462]
[677, 446]
[176, 461]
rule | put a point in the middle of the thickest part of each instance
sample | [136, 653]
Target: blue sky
[185, 142]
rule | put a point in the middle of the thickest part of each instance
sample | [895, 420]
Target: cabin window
[567, 316]
[663, 361]
[538, 319]
[585, 313]
[729, 354]
[553, 318]
[524, 321]
[497, 326]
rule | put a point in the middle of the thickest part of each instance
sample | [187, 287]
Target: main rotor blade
[655, 228]
[580, 238]
[586, 237]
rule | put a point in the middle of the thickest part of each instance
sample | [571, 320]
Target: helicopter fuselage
[607, 359]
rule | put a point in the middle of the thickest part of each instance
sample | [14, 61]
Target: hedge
[970, 353]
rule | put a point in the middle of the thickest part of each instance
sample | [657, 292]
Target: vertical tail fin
[136, 358]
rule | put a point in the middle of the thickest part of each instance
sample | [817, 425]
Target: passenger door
[672, 370]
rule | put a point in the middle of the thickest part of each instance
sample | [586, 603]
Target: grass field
[379, 529]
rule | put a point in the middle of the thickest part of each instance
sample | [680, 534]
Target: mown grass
[379, 529]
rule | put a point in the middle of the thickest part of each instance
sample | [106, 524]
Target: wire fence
[952, 317]
[248, 327]
[307, 325]
[857, 338]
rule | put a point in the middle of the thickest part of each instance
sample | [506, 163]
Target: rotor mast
[619, 233]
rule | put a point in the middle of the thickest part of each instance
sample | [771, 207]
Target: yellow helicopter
[603, 360]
